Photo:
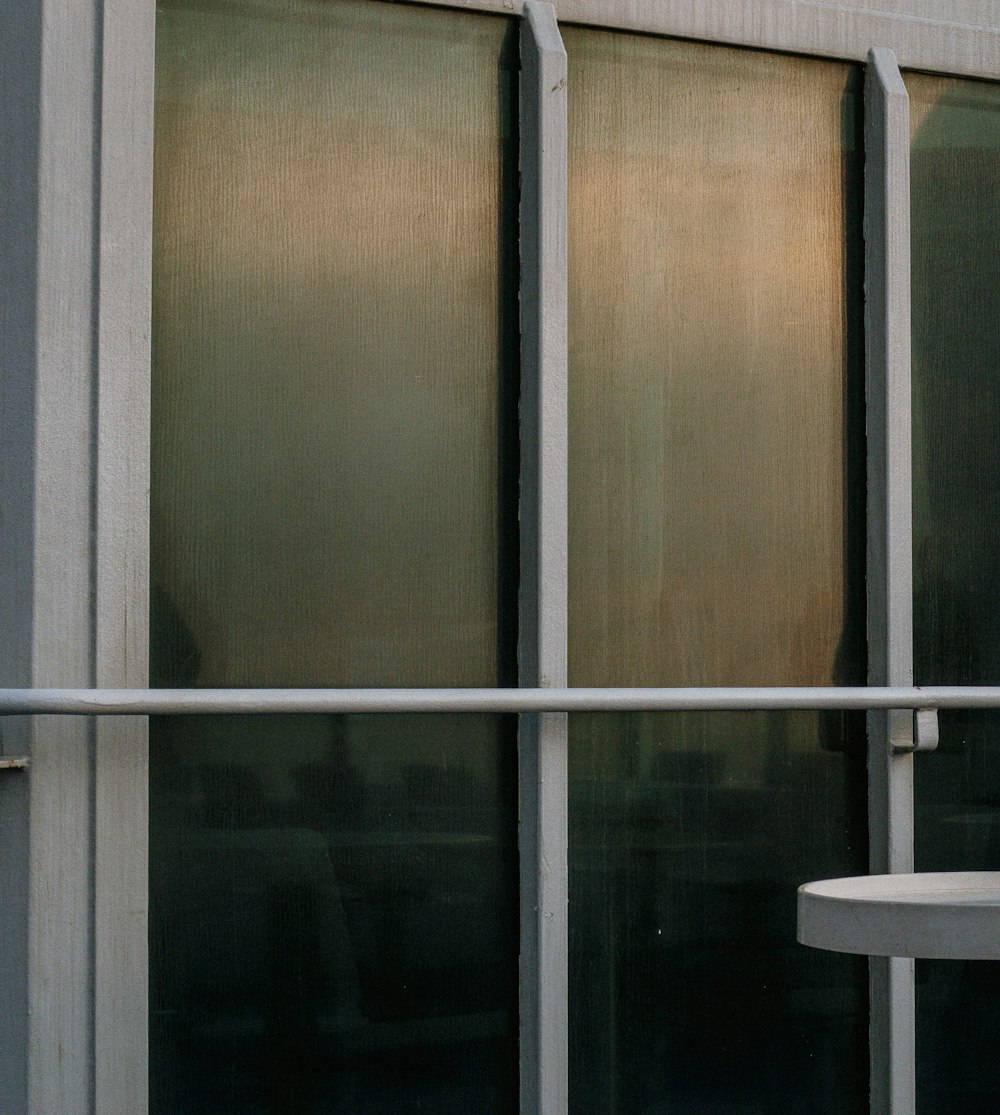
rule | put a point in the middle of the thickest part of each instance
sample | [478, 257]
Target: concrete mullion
[542, 737]
[890, 576]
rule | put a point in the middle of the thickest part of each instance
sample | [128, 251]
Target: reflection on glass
[955, 229]
[333, 923]
[715, 538]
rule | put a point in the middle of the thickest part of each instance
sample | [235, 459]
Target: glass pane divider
[120, 804]
[890, 562]
[542, 650]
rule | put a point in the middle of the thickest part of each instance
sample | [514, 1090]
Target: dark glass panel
[333, 898]
[955, 237]
[716, 519]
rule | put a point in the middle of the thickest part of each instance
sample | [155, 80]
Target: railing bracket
[920, 734]
[925, 729]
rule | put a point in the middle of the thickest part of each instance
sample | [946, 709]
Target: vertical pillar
[543, 605]
[49, 62]
[890, 573]
[121, 562]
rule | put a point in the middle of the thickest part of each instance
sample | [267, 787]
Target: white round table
[952, 915]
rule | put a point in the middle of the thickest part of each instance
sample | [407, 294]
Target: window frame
[75, 332]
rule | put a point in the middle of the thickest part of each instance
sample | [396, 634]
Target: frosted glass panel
[327, 339]
[716, 538]
[955, 215]
[334, 905]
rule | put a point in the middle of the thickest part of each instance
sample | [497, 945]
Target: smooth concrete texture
[950, 915]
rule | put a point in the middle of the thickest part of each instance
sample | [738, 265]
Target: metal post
[890, 578]
[542, 737]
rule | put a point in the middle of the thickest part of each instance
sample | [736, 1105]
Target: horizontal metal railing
[143, 702]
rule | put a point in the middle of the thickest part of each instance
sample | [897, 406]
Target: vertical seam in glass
[542, 655]
[890, 574]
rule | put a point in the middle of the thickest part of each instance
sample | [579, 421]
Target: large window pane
[333, 899]
[716, 538]
[955, 214]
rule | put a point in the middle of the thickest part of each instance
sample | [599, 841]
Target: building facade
[478, 346]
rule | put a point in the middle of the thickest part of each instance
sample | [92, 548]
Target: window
[716, 525]
[366, 863]
[334, 900]
[955, 128]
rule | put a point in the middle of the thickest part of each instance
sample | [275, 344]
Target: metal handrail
[146, 702]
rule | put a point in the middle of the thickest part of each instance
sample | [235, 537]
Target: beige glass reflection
[326, 342]
[707, 352]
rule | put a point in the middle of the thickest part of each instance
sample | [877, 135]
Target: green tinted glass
[955, 238]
